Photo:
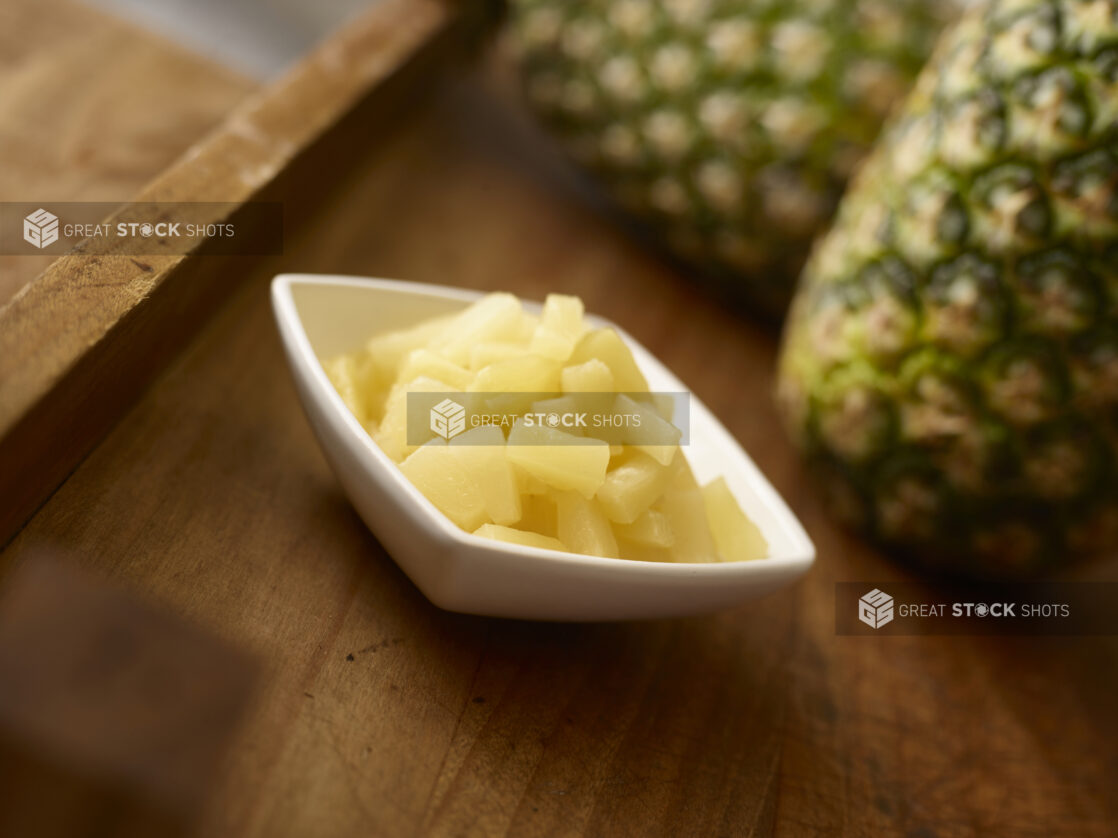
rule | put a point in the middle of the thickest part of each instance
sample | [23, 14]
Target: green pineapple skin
[950, 363]
[728, 127]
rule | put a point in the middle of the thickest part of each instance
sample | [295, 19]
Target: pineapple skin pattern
[730, 127]
[950, 364]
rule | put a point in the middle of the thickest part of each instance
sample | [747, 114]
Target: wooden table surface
[92, 108]
[381, 715]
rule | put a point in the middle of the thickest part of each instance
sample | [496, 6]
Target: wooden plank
[81, 341]
[93, 109]
[114, 714]
[383, 715]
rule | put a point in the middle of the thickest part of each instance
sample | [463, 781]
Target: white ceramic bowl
[322, 316]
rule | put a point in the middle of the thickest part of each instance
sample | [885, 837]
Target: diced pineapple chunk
[539, 513]
[495, 317]
[386, 352]
[423, 363]
[392, 433]
[607, 346]
[521, 537]
[484, 354]
[652, 426]
[434, 470]
[664, 404]
[637, 552]
[560, 460]
[481, 452]
[343, 375]
[592, 376]
[683, 504]
[632, 487]
[583, 527]
[525, 374]
[737, 538]
[652, 528]
[560, 327]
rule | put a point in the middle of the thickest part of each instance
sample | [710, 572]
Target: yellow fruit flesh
[583, 527]
[560, 327]
[607, 346]
[737, 538]
[561, 460]
[482, 453]
[652, 528]
[682, 503]
[521, 537]
[556, 487]
[632, 487]
[446, 483]
[592, 376]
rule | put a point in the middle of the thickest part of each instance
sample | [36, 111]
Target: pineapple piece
[561, 325]
[490, 352]
[652, 426]
[685, 508]
[559, 404]
[357, 380]
[591, 376]
[529, 484]
[583, 527]
[512, 385]
[607, 346]
[539, 514]
[737, 538]
[425, 363]
[387, 351]
[342, 372]
[664, 404]
[521, 537]
[560, 460]
[481, 452]
[495, 317]
[636, 552]
[392, 432]
[443, 480]
[525, 374]
[633, 486]
[652, 528]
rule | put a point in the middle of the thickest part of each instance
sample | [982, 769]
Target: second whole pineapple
[729, 126]
[951, 362]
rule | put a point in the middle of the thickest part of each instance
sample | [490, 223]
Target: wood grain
[81, 341]
[384, 716]
[93, 109]
[114, 714]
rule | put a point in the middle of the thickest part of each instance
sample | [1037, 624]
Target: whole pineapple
[951, 361]
[730, 125]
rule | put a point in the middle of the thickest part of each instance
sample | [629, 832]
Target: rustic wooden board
[94, 108]
[82, 340]
[384, 716]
